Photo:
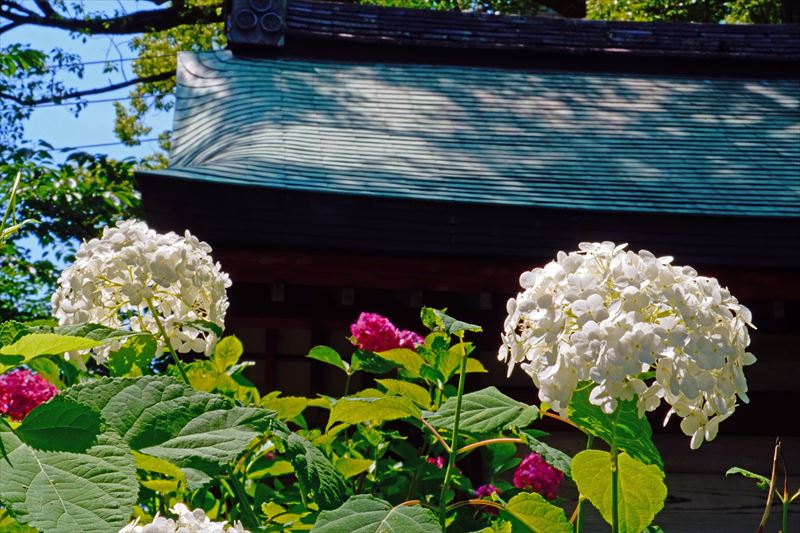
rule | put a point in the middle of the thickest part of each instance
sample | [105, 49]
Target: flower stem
[581, 499]
[614, 491]
[487, 442]
[250, 518]
[785, 521]
[451, 457]
[163, 333]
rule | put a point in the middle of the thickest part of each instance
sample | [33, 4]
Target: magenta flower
[536, 475]
[437, 461]
[375, 333]
[21, 391]
[485, 491]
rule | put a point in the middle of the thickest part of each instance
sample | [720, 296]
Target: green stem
[785, 521]
[451, 458]
[302, 488]
[614, 491]
[581, 498]
[347, 384]
[250, 518]
[163, 333]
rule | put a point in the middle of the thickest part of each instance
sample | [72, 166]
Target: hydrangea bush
[145, 443]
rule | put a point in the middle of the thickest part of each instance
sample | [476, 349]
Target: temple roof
[589, 140]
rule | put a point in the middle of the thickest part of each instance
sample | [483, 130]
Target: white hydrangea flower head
[606, 315]
[189, 521]
[115, 278]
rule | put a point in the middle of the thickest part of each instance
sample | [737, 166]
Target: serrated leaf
[150, 463]
[366, 514]
[90, 492]
[475, 367]
[286, 407]
[316, 472]
[196, 479]
[134, 357]
[10, 331]
[95, 332]
[485, 411]
[227, 353]
[48, 369]
[641, 488]
[412, 391]
[276, 468]
[350, 467]
[437, 320]
[61, 424]
[531, 513]
[160, 416]
[623, 429]
[553, 456]
[328, 355]
[371, 362]
[404, 358]
[36, 344]
[356, 410]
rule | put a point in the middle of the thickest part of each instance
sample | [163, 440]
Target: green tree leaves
[356, 410]
[641, 488]
[315, 472]
[366, 514]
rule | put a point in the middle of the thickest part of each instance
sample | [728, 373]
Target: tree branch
[80, 94]
[144, 21]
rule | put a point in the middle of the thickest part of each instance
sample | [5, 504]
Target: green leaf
[36, 344]
[48, 369]
[762, 481]
[436, 320]
[316, 472]
[10, 331]
[328, 355]
[404, 358]
[355, 410]
[554, 457]
[150, 463]
[133, 358]
[196, 479]
[95, 332]
[61, 424]
[474, 367]
[412, 391]
[623, 428]
[350, 467]
[159, 416]
[371, 362]
[227, 353]
[90, 492]
[286, 407]
[641, 488]
[485, 411]
[367, 514]
[531, 513]
[205, 325]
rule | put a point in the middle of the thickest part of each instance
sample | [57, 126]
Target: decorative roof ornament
[255, 23]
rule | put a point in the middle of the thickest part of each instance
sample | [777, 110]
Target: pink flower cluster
[536, 475]
[21, 391]
[437, 461]
[485, 491]
[375, 333]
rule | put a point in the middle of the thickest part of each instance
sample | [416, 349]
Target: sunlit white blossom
[120, 279]
[607, 315]
[189, 521]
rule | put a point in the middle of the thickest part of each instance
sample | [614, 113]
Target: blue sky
[57, 124]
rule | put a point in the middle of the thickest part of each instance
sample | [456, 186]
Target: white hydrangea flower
[604, 314]
[189, 521]
[115, 279]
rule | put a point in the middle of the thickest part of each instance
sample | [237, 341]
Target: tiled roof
[372, 24]
[576, 140]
